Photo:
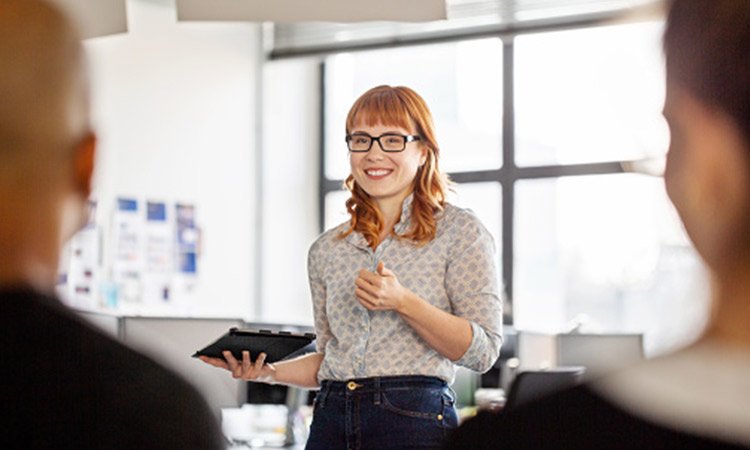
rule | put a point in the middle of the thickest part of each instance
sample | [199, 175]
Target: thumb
[383, 272]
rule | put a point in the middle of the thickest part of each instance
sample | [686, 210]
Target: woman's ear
[425, 155]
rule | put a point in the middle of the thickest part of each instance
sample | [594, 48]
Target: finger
[364, 295]
[367, 300]
[386, 272]
[365, 304]
[365, 286]
[231, 360]
[234, 365]
[360, 295]
[246, 364]
[260, 361]
[368, 276]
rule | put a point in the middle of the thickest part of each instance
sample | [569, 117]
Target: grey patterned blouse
[455, 271]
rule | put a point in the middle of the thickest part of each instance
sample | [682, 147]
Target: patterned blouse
[455, 271]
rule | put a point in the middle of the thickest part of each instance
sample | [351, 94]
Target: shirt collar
[358, 240]
[405, 220]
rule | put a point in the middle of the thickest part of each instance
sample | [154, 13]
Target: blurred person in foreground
[64, 384]
[697, 397]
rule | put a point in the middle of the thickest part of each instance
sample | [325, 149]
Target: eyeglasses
[389, 142]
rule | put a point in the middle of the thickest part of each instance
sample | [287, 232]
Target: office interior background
[548, 113]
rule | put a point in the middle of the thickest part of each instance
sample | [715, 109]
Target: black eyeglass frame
[407, 138]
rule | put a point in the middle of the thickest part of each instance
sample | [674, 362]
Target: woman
[403, 292]
[695, 398]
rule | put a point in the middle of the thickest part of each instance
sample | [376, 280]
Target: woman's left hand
[380, 291]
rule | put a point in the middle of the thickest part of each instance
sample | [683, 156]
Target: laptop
[532, 385]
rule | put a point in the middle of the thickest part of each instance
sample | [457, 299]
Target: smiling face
[387, 177]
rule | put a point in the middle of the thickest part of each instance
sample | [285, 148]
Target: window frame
[509, 172]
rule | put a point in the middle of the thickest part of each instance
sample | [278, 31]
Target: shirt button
[439, 417]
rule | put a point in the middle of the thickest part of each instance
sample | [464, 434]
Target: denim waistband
[373, 384]
[377, 387]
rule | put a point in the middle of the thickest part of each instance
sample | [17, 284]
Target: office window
[461, 83]
[335, 208]
[485, 200]
[607, 250]
[577, 235]
[589, 95]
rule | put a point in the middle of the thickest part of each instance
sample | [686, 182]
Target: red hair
[401, 107]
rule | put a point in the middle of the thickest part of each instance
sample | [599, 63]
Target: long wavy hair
[401, 107]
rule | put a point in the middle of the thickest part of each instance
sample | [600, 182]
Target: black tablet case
[277, 345]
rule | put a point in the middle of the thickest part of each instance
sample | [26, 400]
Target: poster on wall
[159, 254]
[151, 265]
[127, 264]
[80, 264]
[187, 240]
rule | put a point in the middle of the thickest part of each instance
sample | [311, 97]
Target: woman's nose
[375, 152]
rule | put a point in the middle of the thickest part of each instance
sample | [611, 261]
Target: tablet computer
[277, 345]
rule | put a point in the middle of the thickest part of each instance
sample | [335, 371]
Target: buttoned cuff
[481, 354]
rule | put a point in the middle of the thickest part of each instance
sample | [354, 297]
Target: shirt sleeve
[471, 282]
[315, 264]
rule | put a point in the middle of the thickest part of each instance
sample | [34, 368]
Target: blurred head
[707, 47]
[46, 144]
[378, 176]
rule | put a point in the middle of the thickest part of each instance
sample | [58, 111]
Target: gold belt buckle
[352, 385]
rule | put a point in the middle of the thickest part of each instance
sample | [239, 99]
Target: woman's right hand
[246, 369]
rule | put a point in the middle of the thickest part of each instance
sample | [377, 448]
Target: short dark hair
[707, 47]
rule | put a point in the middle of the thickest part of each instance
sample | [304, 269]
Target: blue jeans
[403, 412]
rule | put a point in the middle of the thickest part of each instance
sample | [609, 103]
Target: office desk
[246, 447]
[264, 426]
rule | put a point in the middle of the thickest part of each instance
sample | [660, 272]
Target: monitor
[599, 353]
[109, 323]
[532, 385]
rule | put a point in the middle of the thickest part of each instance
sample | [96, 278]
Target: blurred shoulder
[120, 389]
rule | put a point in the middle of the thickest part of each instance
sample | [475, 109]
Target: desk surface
[263, 426]
[245, 447]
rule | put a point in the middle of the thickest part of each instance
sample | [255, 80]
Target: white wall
[174, 106]
[291, 151]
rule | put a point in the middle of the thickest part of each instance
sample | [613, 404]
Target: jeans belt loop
[377, 391]
[323, 392]
[452, 394]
